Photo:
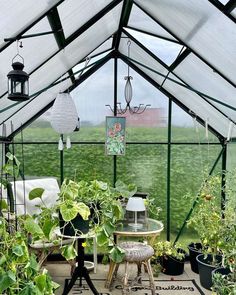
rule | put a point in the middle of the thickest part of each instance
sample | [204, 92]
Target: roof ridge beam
[124, 18]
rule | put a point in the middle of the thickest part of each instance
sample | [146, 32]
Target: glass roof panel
[198, 106]
[234, 13]
[17, 15]
[86, 63]
[202, 78]
[165, 50]
[71, 55]
[76, 50]
[35, 50]
[139, 55]
[202, 26]
[141, 21]
[74, 13]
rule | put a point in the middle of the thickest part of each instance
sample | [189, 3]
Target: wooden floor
[60, 270]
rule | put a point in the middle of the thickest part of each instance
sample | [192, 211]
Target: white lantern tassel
[68, 143]
[60, 144]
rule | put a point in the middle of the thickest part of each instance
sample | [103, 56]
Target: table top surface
[150, 227]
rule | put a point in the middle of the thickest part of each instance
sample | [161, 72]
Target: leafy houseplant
[171, 257]
[224, 279]
[215, 227]
[19, 270]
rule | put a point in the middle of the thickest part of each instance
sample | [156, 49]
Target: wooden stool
[135, 252]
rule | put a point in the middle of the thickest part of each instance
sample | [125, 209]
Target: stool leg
[151, 278]
[125, 280]
[110, 274]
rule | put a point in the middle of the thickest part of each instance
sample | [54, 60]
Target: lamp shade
[135, 204]
[64, 117]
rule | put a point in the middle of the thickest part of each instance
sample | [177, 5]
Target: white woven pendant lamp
[64, 117]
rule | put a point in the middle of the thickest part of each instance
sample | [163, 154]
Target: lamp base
[136, 225]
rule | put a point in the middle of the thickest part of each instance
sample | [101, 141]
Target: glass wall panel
[189, 169]
[145, 166]
[187, 129]
[38, 160]
[88, 162]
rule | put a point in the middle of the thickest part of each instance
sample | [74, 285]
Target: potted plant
[208, 222]
[224, 278]
[171, 257]
[19, 271]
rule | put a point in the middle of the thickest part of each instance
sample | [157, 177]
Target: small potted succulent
[171, 257]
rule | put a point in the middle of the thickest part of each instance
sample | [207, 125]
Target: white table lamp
[135, 204]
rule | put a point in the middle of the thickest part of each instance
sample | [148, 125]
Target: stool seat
[136, 251]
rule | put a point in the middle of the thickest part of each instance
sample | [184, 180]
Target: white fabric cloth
[22, 188]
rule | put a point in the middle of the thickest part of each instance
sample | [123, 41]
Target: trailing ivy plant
[19, 270]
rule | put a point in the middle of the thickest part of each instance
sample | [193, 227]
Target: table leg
[79, 272]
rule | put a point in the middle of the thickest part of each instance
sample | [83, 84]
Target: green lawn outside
[143, 164]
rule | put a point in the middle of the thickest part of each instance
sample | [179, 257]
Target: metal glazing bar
[168, 213]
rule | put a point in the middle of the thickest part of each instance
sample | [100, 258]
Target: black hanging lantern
[18, 82]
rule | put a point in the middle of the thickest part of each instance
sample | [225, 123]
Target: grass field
[143, 164]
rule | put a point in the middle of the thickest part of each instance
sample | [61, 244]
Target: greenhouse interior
[118, 132]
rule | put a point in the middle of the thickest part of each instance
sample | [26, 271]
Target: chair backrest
[21, 189]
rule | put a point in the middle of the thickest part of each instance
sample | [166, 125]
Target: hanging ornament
[64, 117]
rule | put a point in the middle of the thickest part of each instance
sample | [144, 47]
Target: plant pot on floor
[74, 227]
[194, 250]
[171, 265]
[205, 268]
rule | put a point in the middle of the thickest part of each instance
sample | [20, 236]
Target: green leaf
[36, 193]
[3, 204]
[117, 254]
[6, 280]
[69, 252]
[18, 250]
[41, 282]
[3, 259]
[101, 238]
[32, 227]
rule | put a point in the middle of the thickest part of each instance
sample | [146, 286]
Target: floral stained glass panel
[115, 135]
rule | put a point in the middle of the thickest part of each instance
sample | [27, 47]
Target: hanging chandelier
[128, 93]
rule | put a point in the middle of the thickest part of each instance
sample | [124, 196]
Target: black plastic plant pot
[74, 227]
[221, 270]
[194, 250]
[171, 265]
[205, 268]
